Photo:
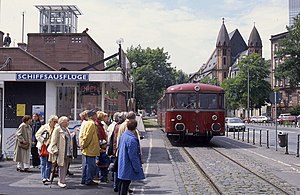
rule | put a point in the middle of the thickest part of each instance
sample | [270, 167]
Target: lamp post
[134, 65]
[248, 97]
[119, 42]
[275, 108]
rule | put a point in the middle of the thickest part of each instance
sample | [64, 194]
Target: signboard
[89, 88]
[52, 76]
[272, 97]
[40, 110]
[20, 109]
[9, 141]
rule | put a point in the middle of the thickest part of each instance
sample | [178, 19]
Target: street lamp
[248, 98]
[119, 42]
[275, 118]
[134, 65]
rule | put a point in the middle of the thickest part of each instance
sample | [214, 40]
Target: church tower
[223, 48]
[254, 42]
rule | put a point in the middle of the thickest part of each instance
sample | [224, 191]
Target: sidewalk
[160, 175]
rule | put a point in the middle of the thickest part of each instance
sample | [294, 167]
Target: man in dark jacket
[7, 40]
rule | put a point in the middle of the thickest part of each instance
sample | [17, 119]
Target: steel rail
[206, 176]
[254, 173]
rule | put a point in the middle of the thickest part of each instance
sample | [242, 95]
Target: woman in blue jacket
[129, 158]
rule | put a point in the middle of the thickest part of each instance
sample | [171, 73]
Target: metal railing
[283, 138]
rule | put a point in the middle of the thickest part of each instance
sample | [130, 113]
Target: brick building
[56, 73]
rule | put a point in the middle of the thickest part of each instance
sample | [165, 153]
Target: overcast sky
[186, 29]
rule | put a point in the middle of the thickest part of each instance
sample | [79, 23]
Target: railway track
[228, 176]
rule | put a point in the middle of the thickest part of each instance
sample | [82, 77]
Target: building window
[76, 39]
[224, 52]
[224, 61]
[49, 40]
[224, 75]
[290, 97]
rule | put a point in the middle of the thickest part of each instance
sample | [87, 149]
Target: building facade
[288, 97]
[294, 10]
[56, 73]
[230, 47]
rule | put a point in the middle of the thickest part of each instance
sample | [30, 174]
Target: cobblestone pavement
[276, 167]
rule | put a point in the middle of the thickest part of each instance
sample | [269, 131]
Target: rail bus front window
[208, 101]
[186, 100]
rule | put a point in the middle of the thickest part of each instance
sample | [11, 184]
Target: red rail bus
[192, 109]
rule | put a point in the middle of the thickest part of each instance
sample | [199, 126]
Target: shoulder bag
[44, 151]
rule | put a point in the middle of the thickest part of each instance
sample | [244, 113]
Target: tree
[236, 89]
[153, 74]
[289, 54]
[295, 110]
[209, 80]
[232, 93]
[181, 77]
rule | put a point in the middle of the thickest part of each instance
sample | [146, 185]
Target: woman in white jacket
[43, 135]
[60, 148]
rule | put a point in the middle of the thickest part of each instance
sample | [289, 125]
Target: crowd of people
[104, 146]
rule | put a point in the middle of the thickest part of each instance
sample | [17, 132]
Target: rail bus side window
[221, 101]
[171, 100]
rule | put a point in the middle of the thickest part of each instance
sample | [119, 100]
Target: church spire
[254, 42]
[223, 38]
[254, 38]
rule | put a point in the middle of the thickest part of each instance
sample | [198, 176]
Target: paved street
[167, 170]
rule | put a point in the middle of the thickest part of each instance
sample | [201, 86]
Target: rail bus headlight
[216, 127]
[179, 117]
[214, 117]
[180, 127]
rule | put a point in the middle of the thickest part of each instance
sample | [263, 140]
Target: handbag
[44, 151]
[24, 145]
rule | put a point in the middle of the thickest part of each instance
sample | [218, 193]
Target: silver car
[234, 124]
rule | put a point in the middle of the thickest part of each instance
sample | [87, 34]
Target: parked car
[253, 119]
[259, 119]
[234, 123]
[287, 117]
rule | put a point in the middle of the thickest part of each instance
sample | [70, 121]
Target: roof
[254, 38]
[192, 87]
[237, 42]
[223, 38]
[73, 8]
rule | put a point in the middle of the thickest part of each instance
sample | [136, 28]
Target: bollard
[260, 138]
[253, 136]
[297, 155]
[243, 133]
[287, 144]
[238, 134]
[268, 139]
[248, 136]
[227, 131]
[234, 133]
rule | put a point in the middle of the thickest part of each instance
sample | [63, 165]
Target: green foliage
[209, 80]
[232, 93]
[111, 62]
[181, 77]
[153, 74]
[289, 55]
[236, 89]
[295, 110]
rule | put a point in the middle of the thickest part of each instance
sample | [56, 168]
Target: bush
[295, 110]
